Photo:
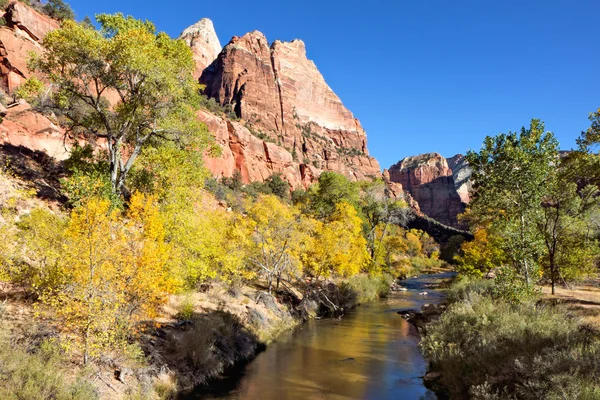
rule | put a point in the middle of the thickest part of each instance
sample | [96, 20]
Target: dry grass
[581, 300]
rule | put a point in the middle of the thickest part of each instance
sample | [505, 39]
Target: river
[371, 353]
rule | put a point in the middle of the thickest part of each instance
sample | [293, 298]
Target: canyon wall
[461, 172]
[429, 180]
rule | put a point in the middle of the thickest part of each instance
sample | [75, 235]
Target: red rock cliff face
[429, 181]
[24, 29]
[20, 124]
[279, 94]
[461, 172]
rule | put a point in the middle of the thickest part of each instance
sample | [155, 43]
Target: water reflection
[371, 353]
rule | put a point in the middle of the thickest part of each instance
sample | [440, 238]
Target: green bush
[420, 263]
[491, 348]
[463, 289]
[370, 287]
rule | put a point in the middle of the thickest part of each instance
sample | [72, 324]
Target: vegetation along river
[371, 353]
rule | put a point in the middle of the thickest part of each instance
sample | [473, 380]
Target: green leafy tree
[378, 208]
[510, 174]
[332, 189]
[59, 10]
[278, 186]
[565, 226]
[146, 75]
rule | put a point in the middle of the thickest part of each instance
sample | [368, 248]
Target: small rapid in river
[371, 353]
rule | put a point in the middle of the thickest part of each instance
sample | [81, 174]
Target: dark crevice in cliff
[279, 90]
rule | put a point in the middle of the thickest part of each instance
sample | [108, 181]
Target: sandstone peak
[461, 171]
[281, 95]
[205, 45]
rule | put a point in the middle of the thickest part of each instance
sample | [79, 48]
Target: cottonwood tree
[510, 173]
[335, 246]
[565, 227]
[274, 235]
[124, 85]
[380, 212]
[116, 273]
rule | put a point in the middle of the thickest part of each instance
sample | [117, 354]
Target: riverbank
[368, 353]
[484, 347]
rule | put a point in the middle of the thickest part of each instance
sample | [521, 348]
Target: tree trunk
[523, 245]
[270, 279]
[553, 273]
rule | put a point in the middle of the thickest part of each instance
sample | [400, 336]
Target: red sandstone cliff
[429, 180]
[279, 94]
[20, 124]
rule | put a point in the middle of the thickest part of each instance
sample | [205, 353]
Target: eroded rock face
[23, 126]
[461, 172]
[428, 179]
[24, 29]
[205, 45]
[255, 158]
[279, 94]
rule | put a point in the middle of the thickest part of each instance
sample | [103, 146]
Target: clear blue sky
[424, 75]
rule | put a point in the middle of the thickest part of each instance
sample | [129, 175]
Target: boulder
[23, 126]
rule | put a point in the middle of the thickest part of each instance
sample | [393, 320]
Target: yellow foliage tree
[480, 255]
[336, 246]
[212, 244]
[275, 231]
[116, 273]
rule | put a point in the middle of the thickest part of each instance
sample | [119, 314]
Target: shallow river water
[371, 353]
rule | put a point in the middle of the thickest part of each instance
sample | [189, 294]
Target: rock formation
[290, 121]
[281, 97]
[255, 158]
[205, 45]
[428, 179]
[24, 29]
[461, 172]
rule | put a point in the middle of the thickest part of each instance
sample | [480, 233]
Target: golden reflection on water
[371, 353]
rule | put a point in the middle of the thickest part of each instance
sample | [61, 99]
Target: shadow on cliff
[36, 168]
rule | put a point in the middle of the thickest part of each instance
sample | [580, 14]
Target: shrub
[489, 348]
[420, 263]
[59, 10]
[370, 287]
[465, 288]
[186, 308]
[37, 374]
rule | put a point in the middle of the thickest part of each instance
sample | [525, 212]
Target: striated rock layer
[429, 180]
[280, 96]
